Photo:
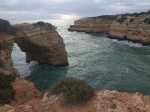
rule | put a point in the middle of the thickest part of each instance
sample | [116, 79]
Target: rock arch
[40, 41]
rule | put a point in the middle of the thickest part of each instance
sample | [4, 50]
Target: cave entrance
[19, 61]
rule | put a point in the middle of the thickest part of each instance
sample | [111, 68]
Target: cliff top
[113, 17]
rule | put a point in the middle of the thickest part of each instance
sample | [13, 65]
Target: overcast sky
[68, 9]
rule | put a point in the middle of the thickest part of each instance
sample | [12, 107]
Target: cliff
[103, 101]
[134, 28]
[93, 24]
[41, 42]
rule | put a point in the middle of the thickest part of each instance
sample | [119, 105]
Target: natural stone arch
[41, 42]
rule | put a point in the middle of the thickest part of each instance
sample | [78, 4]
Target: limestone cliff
[134, 28]
[93, 24]
[41, 42]
[103, 101]
[6, 63]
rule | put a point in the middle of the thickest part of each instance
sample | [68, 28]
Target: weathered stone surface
[93, 24]
[25, 91]
[132, 28]
[7, 108]
[42, 43]
[6, 63]
[103, 101]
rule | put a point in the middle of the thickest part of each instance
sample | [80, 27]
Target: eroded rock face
[103, 101]
[42, 43]
[6, 63]
[134, 28]
[93, 24]
[25, 92]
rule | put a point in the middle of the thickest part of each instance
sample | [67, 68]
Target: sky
[67, 9]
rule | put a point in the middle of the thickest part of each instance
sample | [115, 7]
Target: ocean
[104, 63]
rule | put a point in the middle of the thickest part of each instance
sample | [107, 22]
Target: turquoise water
[102, 62]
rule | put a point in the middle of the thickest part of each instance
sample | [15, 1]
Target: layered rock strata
[134, 28]
[41, 42]
[93, 24]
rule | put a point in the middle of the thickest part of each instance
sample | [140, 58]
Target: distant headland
[133, 27]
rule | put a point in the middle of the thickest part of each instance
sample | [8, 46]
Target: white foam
[126, 42]
[32, 63]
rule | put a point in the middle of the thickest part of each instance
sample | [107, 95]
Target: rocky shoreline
[93, 24]
[133, 27]
[41, 43]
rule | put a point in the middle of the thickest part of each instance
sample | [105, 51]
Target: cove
[104, 63]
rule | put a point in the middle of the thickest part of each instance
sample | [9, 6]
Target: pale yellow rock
[137, 30]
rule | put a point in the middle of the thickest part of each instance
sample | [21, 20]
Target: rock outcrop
[103, 101]
[93, 24]
[134, 28]
[6, 63]
[41, 42]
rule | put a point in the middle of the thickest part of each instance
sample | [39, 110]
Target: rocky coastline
[40, 41]
[93, 24]
[132, 27]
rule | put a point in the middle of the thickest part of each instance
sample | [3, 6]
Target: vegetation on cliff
[6, 27]
[1, 63]
[107, 17]
[7, 92]
[122, 19]
[48, 26]
[75, 91]
[147, 20]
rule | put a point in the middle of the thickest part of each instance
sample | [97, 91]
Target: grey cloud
[48, 9]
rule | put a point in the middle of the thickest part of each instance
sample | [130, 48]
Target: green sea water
[104, 63]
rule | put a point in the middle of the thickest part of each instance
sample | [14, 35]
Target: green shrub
[122, 19]
[131, 20]
[1, 63]
[75, 91]
[7, 92]
[147, 20]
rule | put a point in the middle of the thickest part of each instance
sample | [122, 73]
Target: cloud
[68, 9]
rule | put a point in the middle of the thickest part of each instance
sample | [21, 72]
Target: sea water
[104, 63]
